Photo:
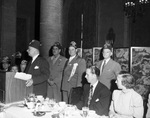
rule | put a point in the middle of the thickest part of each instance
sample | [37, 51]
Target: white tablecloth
[16, 111]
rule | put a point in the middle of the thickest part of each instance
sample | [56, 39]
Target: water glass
[85, 111]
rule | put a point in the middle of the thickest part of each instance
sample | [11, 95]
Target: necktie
[54, 60]
[90, 95]
[103, 65]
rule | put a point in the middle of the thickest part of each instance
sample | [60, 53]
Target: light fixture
[134, 8]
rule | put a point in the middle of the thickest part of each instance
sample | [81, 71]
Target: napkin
[22, 76]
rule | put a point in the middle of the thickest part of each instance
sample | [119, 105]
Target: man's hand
[29, 82]
[51, 82]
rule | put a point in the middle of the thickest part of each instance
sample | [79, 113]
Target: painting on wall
[79, 52]
[96, 54]
[88, 56]
[122, 56]
[140, 68]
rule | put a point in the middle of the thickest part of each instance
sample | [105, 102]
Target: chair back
[75, 95]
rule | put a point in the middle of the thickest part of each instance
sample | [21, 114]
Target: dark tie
[90, 95]
[103, 65]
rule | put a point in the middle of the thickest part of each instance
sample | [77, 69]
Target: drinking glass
[85, 111]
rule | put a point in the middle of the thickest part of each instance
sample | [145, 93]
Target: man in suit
[96, 96]
[109, 69]
[73, 72]
[38, 67]
[56, 67]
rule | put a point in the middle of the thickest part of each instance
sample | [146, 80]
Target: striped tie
[90, 95]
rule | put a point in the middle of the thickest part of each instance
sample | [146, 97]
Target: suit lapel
[33, 64]
[87, 95]
[100, 64]
[58, 60]
[73, 60]
[107, 65]
[96, 91]
[70, 64]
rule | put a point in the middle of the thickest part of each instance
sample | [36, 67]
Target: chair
[75, 95]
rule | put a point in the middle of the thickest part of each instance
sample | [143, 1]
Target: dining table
[57, 110]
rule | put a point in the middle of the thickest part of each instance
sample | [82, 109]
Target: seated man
[96, 96]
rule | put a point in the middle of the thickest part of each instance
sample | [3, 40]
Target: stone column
[8, 27]
[50, 24]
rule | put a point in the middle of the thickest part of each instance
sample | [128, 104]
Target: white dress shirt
[34, 58]
[71, 58]
[94, 86]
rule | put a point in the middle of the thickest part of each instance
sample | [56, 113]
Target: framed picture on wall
[88, 56]
[140, 68]
[96, 54]
[122, 56]
[79, 51]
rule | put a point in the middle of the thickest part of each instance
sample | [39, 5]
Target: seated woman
[148, 110]
[126, 103]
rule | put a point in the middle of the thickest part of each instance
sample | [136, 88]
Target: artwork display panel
[122, 56]
[79, 52]
[88, 56]
[140, 68]
[96, 54]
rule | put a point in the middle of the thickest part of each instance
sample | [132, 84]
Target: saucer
[39, 113]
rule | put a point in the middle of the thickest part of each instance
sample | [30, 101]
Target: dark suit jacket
[109, 73]
[76, 79]
[39, 70]
[100, 101]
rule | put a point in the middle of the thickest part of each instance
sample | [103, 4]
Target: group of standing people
[6, 65]
[56, 76]
[65, 74]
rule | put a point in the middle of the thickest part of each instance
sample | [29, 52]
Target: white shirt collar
[94, 86]
[55, 57]
[106, 61]
[70, 59]
[34, 58]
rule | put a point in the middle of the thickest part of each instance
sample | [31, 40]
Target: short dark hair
[94, 70]
[128, 80]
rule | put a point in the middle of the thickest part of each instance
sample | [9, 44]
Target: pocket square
[96, 100]
[36, 67]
